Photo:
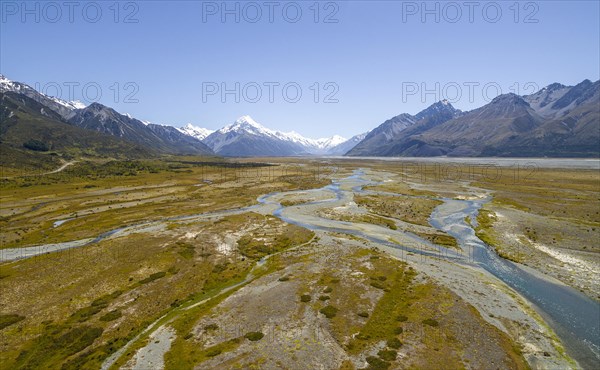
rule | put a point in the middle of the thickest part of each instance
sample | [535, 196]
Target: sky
[318, 68]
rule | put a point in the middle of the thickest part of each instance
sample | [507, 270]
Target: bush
[38, 146]
[376, 363]
[377, 284]
[329, 311]
[254, 336]
[305, 298]
[363, 314]
[387, 355]
[394, 343]
[431, 322]
[112, 315]
[6, 320]
[156, 275]
[212, 326]
[398, 330]
[401, 318]
[213, 352]
[323, 297]
[284, 278]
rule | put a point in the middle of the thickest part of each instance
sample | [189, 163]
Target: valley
[185, 262]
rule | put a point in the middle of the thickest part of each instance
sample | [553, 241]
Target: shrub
[156, 275]
[376, 363]
[212, 326]
[394, 343]
[387, 355]
[323, 297]
[377, 284]
[305, 298]
[329, 311]
[112, 315]
[254, 336]
[213, 352]
[401, 318]
[363, 314]
[6, 320]
[38, 146]
[430, 322]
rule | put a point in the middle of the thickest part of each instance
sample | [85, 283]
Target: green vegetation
[152, 277]
[9, 319]
[36, 145]
[431, 322]
[329, 311]
[375, 363]
[387, 355]
[394, 343]
[408, 209]
[55, 344]
[254, 336]
[112, 315]
[305, 298]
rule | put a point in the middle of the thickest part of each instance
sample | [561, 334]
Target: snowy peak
[62, 107]
[330, 142]
[199, 133]
[248, 125]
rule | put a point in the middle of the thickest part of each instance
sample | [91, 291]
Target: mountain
[163, 139]
[475, 133]
[556, 100]
[381, 140]
[247, 138]
[344, 147]
[556, 121]
[104, 120]
[29, 129]
[62, 107]
[573, 127]
[195, 132]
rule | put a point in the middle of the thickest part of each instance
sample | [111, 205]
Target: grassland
[74, 308]
[241, 290]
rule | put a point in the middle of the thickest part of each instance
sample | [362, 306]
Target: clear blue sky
[373, 54]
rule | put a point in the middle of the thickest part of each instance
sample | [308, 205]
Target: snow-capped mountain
[246, 137]
[329, 142]
[199, 133]
[64, 108]
[345, 146]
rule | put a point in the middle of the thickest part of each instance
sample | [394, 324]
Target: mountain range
[245, 137]
[557, 121]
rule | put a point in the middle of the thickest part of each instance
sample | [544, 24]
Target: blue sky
[375, 62]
